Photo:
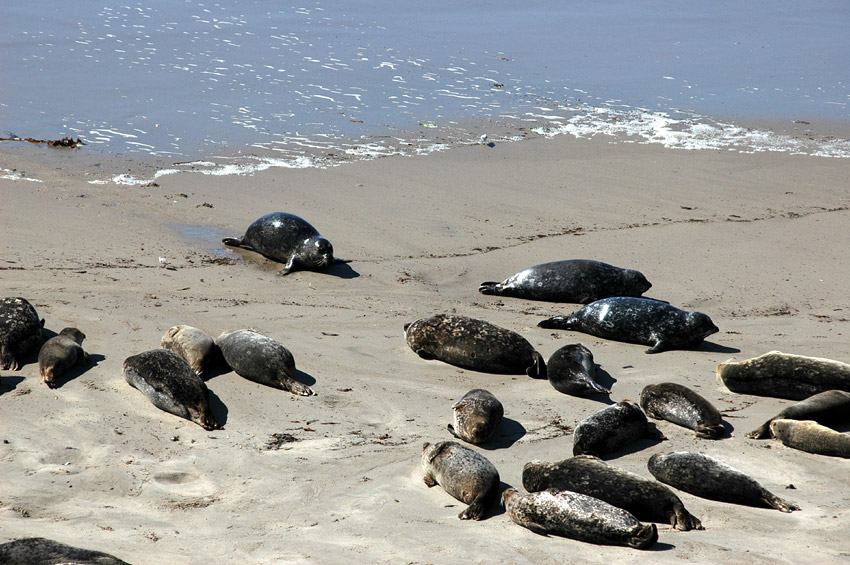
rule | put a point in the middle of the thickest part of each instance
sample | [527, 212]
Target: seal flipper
[762, 432]
[452, 431]
[490, 287]
[338, 260]
[556, 323]
[780, 504]
[233, 241]
[683, 520]
[537, 370]
[478, 508]
[659, 346]
[645, 537]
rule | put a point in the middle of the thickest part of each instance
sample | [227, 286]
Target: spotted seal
[463, 473]
[783, 375]
[474, 344]
[808, 435]
[476, 416]
[831, 407]
[574, 280]
[644, 498]
[261, 359]
[60, 353]
[683, 406]
[638, 320]
[288, 239]
[193, 345]
[706, 477]
[612, 428]
[171, 385]
[577, 516]
[20, 332]
[571, 370]
[42, 551]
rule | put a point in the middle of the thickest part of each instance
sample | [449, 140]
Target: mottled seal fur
[287, 239]
[706, 477]
[476, 416]
[193, 345]
[831, 407]
[571, 370]
[41, 551]
[783, 375]
[20, 332]
[60, 353]
[577, 516]
[612, 428]
[463, 473]
[644, 498]
[261, 359]
[171, 385]
[574, 280]
[638, 320]
[683, 406]
[808, 435]
[474, 344]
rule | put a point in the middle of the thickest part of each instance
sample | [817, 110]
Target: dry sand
[759, 242]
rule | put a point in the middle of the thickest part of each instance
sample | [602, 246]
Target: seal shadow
[218, 408]
[509, 432]
[728, 427]
[216, 368]
[711, 347]
[634, 447]
[660, 546]
[340, 270]
[8, 384]
[304, 378]
[78, 370]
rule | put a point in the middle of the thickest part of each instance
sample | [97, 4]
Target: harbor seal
[287, 239]
[612, 428]
[638, 320]
[571, 370]
[20, 332]
[577, 516]
[574, 280]
[476, 416]
[193, 345]
[474, 344]
[679, 404]
[808, 435]
[41, 551]
[783, 375]
[706, 477]
[60, 353]
[831, 407]
[261, 359]
[646, 499]
[463, 473]
[171, 385]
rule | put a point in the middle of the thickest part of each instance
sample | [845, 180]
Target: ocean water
[233, 86]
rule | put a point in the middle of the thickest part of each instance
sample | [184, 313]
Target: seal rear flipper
[490, 287]
[233, 241]
[537, 370]
[556, 323]
[451, 429]
[295, 387]
[780, 504]
[683, 520]
[478, 509]
[645, 537]
[711, 432]
[762, 432]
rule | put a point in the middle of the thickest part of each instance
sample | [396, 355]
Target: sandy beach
[756, 241]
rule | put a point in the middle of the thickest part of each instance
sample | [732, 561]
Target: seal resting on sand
[261, 359]
[808, 435]
[782, 375]
[831, 407]
[571, 370]
[60, 353]
[683, 406]
[476, 416]
[20, 331]
[193, 345]
[463, 473]
[612, 428]
[41, 551]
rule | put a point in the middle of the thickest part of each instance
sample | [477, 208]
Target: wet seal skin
[808, 435]
[571, 370]
[463, 473]
[683, 406]
[476, 416]
[20, 332]
[831, 407]
[782, 375]
[612, 428]
[60, 353]
[41, 551]
[261, 359]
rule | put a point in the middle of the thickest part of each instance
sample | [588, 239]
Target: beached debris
[64, 142]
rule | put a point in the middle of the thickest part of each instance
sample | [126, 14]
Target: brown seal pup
[638, 320]
[644, 498]
[808, 435]
[60, 353]
[577, 516]
[20, 331]
[679, 404]
[571, 370]
[612, 428]
[41, 551]
[783, 375]
[476, 416]
[193, 345]
[261, 359]
[171, 385]
[829, 408]
[574, 280]
[705, 476]
[474, 344]
[463, 473]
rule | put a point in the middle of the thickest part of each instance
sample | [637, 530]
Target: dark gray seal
[287, 239]
[571, 370]
[644, 498]
[20, 332]
[171, 385]
[783, 375]
[41, 551]
[463, 473]
[638, 320]
[683, 406]
[261, 359]
[476, 416]
[808, 435]
[577, 516]
[612, 428]
[193, 345]
[474, 344]
[60, 353]
[706, 477]
[574, 280]
[829, 408]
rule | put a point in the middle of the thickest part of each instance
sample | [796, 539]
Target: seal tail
[490, 287]
[645, 537]
[556, 323]
[537, 370]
